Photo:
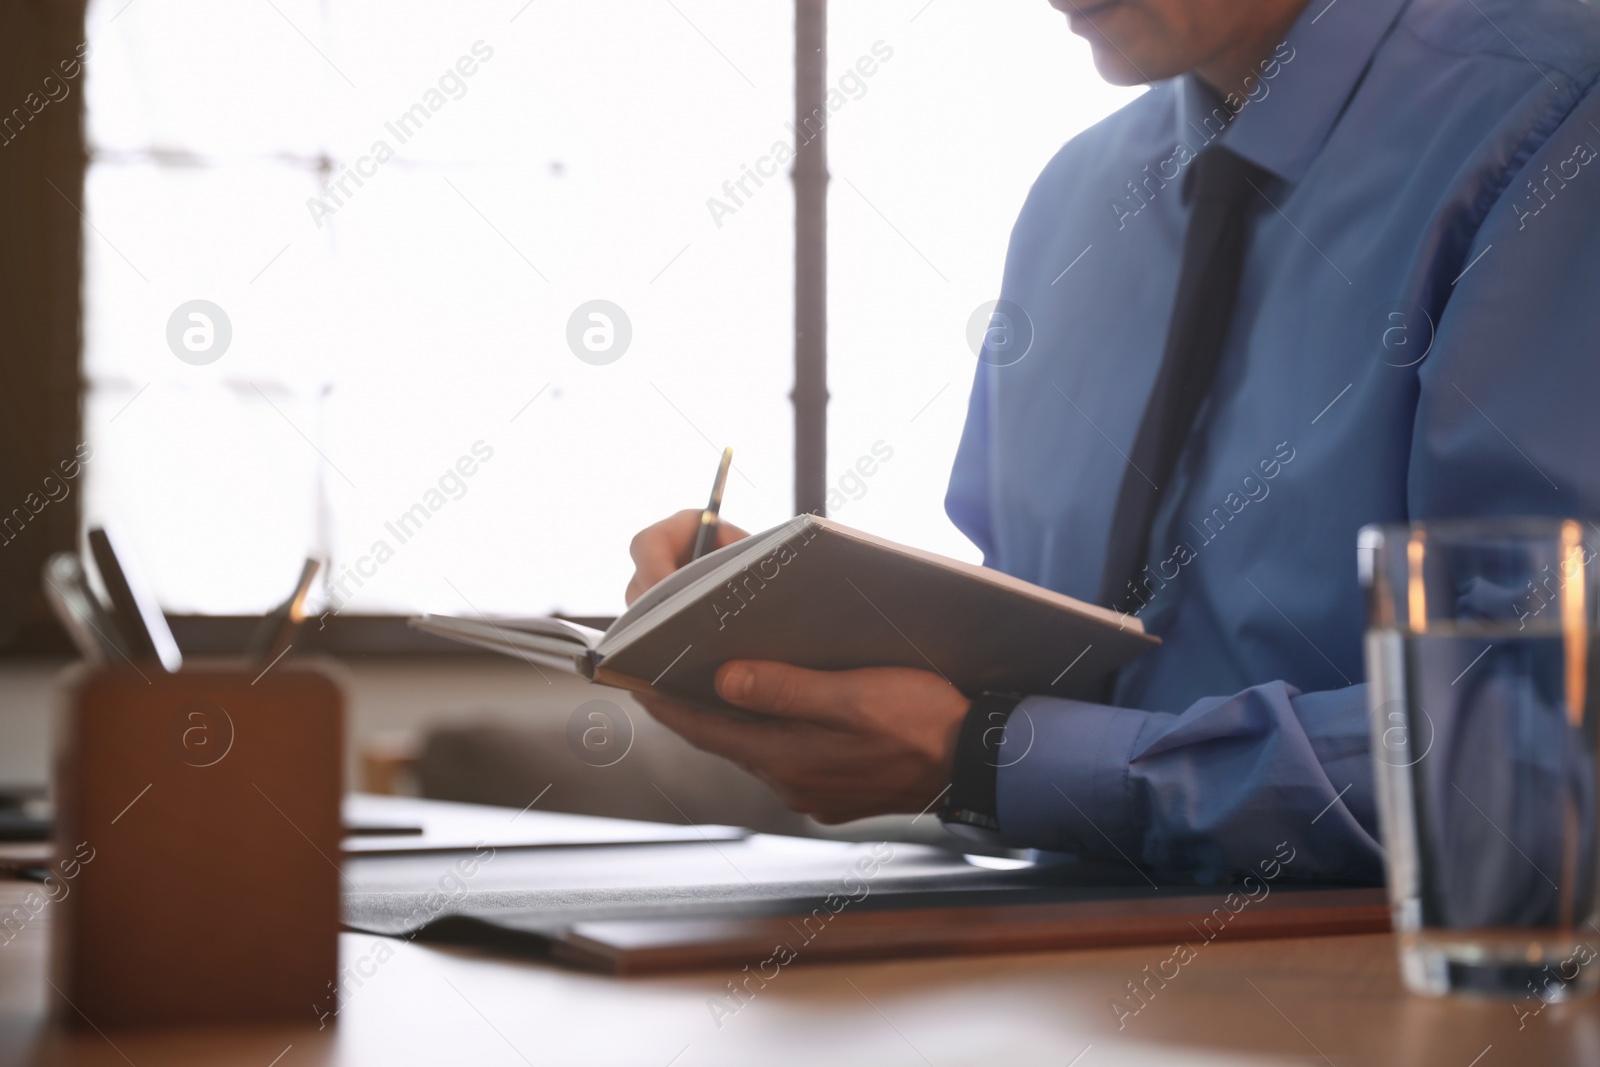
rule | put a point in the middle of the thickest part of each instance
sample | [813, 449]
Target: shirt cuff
[1063, 783]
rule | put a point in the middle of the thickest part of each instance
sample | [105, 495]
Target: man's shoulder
[1556, 36]
[1140, 131]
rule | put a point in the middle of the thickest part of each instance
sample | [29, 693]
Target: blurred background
[396, 217]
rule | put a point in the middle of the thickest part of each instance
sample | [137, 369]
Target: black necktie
[1213, 254]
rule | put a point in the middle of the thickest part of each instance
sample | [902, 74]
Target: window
[342, 259]
[930, 167]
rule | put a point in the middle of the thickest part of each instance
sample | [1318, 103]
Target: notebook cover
[831, 598]
[1193, 917]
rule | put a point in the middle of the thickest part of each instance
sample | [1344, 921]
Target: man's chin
[1115, 67]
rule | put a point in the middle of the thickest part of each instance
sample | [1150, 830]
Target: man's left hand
[843, 744]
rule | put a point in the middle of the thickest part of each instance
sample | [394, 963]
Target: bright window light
[444, 293]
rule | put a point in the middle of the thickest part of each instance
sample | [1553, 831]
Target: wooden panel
[1238, 999]
[41, 190]
[1300, 1001]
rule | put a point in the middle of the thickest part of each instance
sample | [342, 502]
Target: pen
[276, 631]
[706, 536]
[140, 623]
[80, 612]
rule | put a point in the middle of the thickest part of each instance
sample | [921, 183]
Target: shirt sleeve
[967, 499]
[1208, 794]
[1506, 418]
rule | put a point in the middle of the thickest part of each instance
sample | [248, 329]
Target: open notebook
[818, 594]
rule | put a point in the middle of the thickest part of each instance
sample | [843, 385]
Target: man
[1335, 269]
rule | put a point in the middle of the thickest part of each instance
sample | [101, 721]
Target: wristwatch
[970, 801]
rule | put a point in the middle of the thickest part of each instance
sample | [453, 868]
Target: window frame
[44, 270]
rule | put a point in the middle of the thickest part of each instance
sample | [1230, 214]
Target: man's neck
[1232, 70]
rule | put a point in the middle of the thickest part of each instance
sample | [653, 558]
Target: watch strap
[971, 798]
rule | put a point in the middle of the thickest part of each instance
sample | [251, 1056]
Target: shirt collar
[1313, 73]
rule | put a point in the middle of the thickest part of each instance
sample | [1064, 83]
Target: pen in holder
[199, 813]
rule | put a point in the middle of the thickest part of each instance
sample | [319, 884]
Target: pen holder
[197, 842]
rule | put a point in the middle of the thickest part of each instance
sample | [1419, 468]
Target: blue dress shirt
[1415, 337]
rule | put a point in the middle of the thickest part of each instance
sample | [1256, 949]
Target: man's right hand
[659, 550]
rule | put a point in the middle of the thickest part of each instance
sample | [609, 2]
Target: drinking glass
[1482, 694]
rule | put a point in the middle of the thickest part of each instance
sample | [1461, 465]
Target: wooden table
[1310, 1001]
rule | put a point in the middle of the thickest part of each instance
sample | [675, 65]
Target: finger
[663, 547]
[728, 533]
[749, 744]
[657, 549]
[831, 698]
[638, 585]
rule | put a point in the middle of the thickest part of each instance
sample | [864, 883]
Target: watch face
[972, 818]
[971, 826]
